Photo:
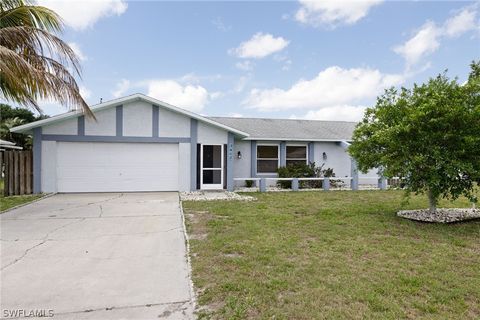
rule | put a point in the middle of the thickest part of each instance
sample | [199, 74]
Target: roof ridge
[262, 118]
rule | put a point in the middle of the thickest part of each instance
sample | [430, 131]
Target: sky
[289, 59]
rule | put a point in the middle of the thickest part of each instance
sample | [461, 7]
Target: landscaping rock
[442, 215]
[213, 195]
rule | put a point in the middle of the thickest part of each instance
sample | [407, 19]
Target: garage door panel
[103, 167]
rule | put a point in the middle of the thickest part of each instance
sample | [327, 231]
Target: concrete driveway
[96, 256]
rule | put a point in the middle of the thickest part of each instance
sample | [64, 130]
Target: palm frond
[34, 62]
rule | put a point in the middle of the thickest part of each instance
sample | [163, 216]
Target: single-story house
[138, 143]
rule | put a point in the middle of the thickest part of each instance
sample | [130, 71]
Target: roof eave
[27, 128]
[296, 139]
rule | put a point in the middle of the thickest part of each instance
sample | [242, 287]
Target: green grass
[331, 255]
[10, 202]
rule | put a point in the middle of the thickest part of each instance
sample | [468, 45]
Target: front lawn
[10, 202]
[331, 255]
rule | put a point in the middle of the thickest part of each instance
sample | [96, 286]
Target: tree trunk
[432, 200]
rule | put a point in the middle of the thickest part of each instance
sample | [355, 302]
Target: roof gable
[26, 128]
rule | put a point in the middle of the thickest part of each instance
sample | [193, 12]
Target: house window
[267, 158]
[296, 155]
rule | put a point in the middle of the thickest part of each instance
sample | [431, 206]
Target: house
[138, 143]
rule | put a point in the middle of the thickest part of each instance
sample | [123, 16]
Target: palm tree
[34, 61]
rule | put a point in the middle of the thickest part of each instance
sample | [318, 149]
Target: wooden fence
[18, 172]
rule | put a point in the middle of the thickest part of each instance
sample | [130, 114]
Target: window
[267, 159]
[296, 155]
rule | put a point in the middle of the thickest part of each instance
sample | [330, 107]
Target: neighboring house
[138, 143]
[4, 144]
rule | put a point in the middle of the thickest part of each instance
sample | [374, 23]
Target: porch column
[354, 175]
[193, 154]
[311, 152]
[253, 157]
[230, 149]
[37, 160]
[283, 154]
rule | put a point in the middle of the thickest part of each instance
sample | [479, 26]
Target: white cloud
[216, 95]
[85, 92]
[76, 48]
[183, 92]
[427, 39]
[121, 88]
[84, 14]
[220, 25]
[336, 113]
[423, 43]
[246, 65]
[235, 115]
[191, 97]
[283, 59]
[241, 84]
[333, 13]
[462, 22]
[332, 86]
[259, 46]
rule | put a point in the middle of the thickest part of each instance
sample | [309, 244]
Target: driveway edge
[193, 296]
[48, 195]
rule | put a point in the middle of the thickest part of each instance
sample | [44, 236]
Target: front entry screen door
[212, 166]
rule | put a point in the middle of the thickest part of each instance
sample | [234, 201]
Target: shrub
[248, 183]
[304, 171]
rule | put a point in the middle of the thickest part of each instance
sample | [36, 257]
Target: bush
[248, 183]
[304, 171]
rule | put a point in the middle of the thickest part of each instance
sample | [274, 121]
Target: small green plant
[304, 171]
[248, 183]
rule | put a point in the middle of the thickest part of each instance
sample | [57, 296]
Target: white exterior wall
[172, 124]
[184, 167]
[242, 167]
[208, 134]
[337, 158]
[137, 119]
[368, 177]
[49, 166]
[105, 124]
[67, 127]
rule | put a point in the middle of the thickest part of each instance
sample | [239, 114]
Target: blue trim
[311, 152]
[354, 174]
[230, 155]
[193, 153]
[81, 126]
[75, 138]
[119, 120]
[155, 118]
[37, 160]
[253, 157]
[283, 154]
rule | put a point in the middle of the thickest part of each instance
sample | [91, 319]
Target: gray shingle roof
[288, 129]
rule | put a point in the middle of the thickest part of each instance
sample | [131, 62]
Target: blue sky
[320, 60]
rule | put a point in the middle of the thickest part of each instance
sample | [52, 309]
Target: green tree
[429, 136]
[11, 117]
[34, 61]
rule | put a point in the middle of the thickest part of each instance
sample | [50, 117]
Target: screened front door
[212, 164]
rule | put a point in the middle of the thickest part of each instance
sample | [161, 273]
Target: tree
[429, 136]
[12, 117]
[34, 61]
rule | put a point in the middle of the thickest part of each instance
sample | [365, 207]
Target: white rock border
[443, 215]
[214, 195]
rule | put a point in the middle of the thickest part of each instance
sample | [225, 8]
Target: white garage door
[104, 167]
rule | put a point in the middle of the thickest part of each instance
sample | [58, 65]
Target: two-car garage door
[106, 167]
